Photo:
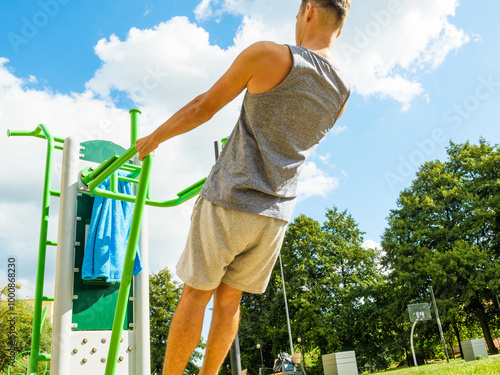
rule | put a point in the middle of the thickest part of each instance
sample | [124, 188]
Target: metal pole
[128, 267]
[439, 325]
[134, 125]
[286, 308]
[42, 249]
[235, 356]
[411, 341]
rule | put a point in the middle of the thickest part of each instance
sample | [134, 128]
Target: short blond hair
[334, 12]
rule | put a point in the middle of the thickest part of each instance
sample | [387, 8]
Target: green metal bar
[126, 156]
[41, 132]
[51, 243]
[182, 197]
[134, 125]
[40, 274]
[127, 179]
[35, 133]
[55, 193]
[131, 168]
[86, 178]
[128, 266]
[43, 317]
[113, 183]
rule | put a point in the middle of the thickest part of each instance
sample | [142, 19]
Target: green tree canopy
[445, 234]
[164, 294]
[329, 279]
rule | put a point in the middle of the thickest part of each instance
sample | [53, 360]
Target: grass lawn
[486, 366]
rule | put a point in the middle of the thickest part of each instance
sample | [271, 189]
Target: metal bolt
[84, 360]
[92, 169]
[103, 359]
[121, 339]
[85, 340]
[84, 175]
[120, 359]
[94, 350]
[103, 340]
[129, 348]
[75, 350]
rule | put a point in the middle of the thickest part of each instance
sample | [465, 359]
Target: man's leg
[225, 320]
[185, 329]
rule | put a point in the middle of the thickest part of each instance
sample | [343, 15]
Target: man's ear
[309, 11]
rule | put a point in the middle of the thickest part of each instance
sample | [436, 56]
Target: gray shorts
[236, 248]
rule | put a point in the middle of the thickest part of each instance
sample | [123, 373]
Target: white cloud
[314, 181]
[204, 10]
[164, 67]
[384, 46]
[338, 129]
[325, 158]
[370, 244]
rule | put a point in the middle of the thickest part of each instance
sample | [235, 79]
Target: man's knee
[227, 298]
[196, 296]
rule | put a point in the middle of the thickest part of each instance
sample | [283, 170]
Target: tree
[445, 234]
[164, 294]
[331, 281]
[22, 313]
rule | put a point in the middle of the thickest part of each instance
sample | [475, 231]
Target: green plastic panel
[95, 307]
[99, 151]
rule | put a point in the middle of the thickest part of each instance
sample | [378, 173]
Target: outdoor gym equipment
[99, 327]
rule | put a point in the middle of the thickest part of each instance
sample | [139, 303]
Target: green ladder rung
[44, 298]
[43, 357]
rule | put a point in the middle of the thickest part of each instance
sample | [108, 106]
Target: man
[294, 96]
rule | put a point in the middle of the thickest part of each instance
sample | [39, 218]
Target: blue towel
[108, 234]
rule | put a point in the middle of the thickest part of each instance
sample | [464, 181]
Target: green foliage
[445, 234]
[164, 294]
[485, 366]
[23, 315]
[332, 285]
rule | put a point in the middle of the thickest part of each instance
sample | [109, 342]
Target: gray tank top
[258, 169]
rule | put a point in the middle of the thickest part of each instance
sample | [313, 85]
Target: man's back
[278, 129]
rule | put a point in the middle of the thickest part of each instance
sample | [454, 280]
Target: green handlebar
[94, 178]
[39, 132]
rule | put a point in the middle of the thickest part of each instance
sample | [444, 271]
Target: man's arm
[252, 61]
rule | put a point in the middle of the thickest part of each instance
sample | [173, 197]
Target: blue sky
[422, 72]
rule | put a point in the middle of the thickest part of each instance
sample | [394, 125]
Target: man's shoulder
[267, 49]
[268, 64]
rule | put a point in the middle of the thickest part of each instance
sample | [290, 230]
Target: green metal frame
[41, 132]
[93, 178]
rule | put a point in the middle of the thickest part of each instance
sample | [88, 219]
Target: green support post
[41, 132]
[42, 247]
[40, 274]
[134, 125]
[128, 266]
